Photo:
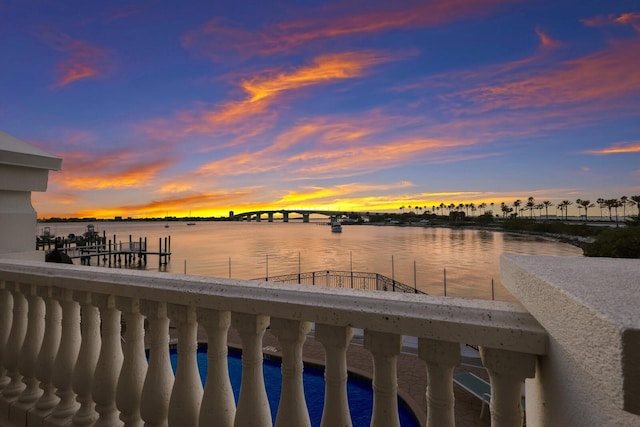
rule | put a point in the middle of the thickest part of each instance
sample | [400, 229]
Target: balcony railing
[346, 279]
[66, 361]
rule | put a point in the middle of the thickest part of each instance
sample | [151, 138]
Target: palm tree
[530, 205]
[546, 205]
[505, 209]
[624, 200]
[586, 204]
[516, 204]
[600, 203]
[636, 200]
[610, 204]
[565, 205]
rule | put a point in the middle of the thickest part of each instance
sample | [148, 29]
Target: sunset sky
[165, 107]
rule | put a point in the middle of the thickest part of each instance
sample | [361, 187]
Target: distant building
[230, 214]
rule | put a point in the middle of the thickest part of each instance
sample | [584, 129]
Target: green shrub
[616, 243]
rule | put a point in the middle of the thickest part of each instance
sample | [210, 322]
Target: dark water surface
[254, 250]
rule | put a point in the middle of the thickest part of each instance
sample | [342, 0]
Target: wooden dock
[121, 253]
[112, 253]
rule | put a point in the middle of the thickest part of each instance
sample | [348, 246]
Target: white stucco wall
[23, 169]
[590, 308]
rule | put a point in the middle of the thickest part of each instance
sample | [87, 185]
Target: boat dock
[112, 253]
[121, 253]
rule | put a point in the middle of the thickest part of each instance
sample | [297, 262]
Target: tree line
[519, 208]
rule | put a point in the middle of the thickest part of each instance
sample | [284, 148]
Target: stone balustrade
[66, 361]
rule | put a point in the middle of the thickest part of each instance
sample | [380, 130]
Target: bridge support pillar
[285, 216]
[258, 217]
[305, 217]
[270, 216]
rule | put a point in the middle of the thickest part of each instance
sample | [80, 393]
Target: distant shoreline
[577, 241]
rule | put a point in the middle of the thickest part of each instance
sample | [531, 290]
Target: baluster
[134, 366]
[507, 371]
[186, 397]
[47, 356]
[29, 354]
[87, 360]
[335, 340]
[218, 404]
[441, 358]
[14, 344]
[156, 391]
[292, 410]
[109, 364]
[384, 348]
[253, 404]
[6, 314]
[66, 359]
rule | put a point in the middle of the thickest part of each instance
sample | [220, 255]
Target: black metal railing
[345, 279]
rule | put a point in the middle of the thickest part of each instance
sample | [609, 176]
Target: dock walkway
[127, 253]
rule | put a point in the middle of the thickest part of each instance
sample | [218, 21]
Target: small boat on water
[191, 221]
[336, 227]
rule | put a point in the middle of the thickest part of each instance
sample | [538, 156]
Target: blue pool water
[359, 392]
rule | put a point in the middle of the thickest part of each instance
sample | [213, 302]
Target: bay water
[415, 256]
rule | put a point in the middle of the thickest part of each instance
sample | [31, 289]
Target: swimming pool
[359, 392]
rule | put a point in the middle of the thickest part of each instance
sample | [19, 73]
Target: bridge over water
[285, 214]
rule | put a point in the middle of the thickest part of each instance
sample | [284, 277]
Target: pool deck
[412, 377]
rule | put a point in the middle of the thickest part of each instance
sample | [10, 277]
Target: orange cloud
[325, 68]
[83, 171]
[83, 60]
[346, 160]
[330, 23]
[609, 75]
[254, 113]
[621, 148]
[349, 161]
[630, 18]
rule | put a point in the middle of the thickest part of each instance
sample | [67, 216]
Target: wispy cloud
[626, 19]
[607, 78]
[325, 68]
[82, 60]
[115, 170]
[539, 59]
[546, 41]
[329, 148]
[257, 110]
[125, 12]
[619, 148]
[330, 23]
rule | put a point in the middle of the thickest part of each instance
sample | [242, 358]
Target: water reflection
[255, 250]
